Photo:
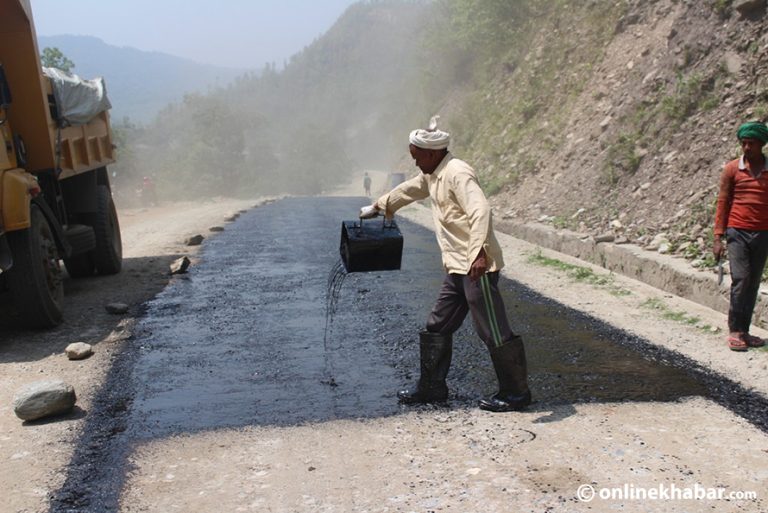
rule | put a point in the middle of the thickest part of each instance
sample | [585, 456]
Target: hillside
[336, 107]
[139, 83]
[610, 118]
[616, 118]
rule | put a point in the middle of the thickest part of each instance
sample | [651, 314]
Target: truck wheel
[108, 255]
[36, 278]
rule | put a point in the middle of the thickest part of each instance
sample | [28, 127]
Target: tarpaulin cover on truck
[78, 100]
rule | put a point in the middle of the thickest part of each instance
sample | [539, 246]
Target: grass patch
[761, 111]
[492, 185]
[658, 306]
[691, 94]
[721, 6]
[622, 158]
[579, 273]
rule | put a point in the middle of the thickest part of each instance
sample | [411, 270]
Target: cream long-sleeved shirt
[462, 215]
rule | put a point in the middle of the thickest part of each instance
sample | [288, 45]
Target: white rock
[650, 76]
[78, 350]
[669, 156]
[733, 62]
[657, 242]
[578, 213]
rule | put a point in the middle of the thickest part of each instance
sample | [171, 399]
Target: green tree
[54, 58]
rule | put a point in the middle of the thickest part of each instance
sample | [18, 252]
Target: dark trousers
[747, 251]
[460, 295]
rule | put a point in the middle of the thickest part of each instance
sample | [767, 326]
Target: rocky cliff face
[618, 117]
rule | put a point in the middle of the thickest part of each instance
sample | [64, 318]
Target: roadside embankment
[664, 272]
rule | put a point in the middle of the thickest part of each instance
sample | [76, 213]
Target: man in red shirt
[742, 217]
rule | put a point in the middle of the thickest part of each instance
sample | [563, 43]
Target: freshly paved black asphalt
[239, 341]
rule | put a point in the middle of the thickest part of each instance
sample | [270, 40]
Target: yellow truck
[55, 197]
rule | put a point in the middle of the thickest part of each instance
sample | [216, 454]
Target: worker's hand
[369, 212]
[718, 249]
[478, 267]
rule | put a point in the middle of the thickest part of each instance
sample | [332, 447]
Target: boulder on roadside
[195, 240]
[749, 8]
[116, 308]
[78, 350]
[43, 399]
[605, 237]
[180, 265]
[657, 242]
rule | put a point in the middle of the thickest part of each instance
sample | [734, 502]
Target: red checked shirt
[743, 199]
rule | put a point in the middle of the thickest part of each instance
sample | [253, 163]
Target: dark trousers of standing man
[747, 252]
[460, 295]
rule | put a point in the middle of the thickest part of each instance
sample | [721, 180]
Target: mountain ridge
[140, 83]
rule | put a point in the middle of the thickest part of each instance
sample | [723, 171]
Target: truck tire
[108, 255]
[36, 278]
[80, 266]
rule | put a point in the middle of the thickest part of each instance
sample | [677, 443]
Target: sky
[231, 33]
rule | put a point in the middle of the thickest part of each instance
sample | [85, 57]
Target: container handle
[383, 218]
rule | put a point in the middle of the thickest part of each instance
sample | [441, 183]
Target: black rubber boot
[512, 372]
[436, 351]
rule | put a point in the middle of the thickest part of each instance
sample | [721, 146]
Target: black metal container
[371, 246]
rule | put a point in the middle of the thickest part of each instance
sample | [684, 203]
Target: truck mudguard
[16, 193]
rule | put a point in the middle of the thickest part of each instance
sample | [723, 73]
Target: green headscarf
[753, 130]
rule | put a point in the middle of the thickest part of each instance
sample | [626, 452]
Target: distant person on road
[367, 184]
[472, 259]
[148, 192]
[742, 218]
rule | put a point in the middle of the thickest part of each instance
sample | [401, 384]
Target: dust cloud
[342, 105]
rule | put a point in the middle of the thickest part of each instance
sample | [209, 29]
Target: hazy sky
[234, 33]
